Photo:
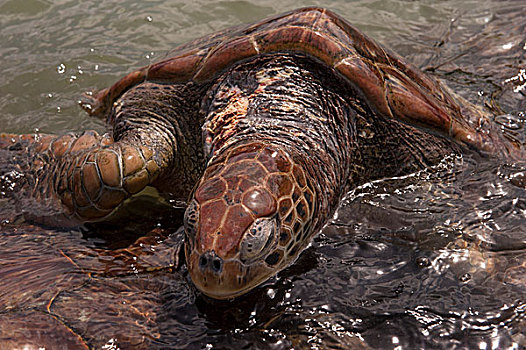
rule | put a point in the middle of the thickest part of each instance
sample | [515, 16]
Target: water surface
[431, 260]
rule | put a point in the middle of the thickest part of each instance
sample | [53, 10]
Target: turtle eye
[191, 219]
[258, 239]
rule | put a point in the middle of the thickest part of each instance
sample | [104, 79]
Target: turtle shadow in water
[140, 216]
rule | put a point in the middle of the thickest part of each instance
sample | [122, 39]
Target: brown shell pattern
[394, 87]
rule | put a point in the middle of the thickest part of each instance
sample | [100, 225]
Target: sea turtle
[261, 129]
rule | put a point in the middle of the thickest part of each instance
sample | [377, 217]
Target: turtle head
[246, 220]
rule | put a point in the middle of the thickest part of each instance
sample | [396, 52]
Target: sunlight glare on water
[431, 260]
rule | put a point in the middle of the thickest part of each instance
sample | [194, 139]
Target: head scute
[259, 201]
[245, 218]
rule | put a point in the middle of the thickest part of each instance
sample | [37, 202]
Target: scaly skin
[270, 185]
[72, 178]
[245, 220]
[88, 173]
[285, 115]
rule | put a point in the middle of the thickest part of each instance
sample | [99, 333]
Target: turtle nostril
[210, 260]
[217, 264]
[203, 261]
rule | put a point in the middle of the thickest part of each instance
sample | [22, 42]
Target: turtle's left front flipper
[73, 178]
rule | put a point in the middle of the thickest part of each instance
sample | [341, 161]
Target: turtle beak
[221, 278]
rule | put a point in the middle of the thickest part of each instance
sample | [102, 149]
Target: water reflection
[468, 255]
[431, 260]
[518, 80]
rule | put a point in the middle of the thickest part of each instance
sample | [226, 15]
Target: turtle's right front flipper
[73, 178]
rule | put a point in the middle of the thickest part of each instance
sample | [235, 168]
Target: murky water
[431, 260]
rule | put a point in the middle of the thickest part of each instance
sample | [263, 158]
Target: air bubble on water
[9, 180]
[61, 68]
[252, 319]
[111, 345]
[509, 121]
[423, 261]
[86, 106]
[519, 78]
[465, 278]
